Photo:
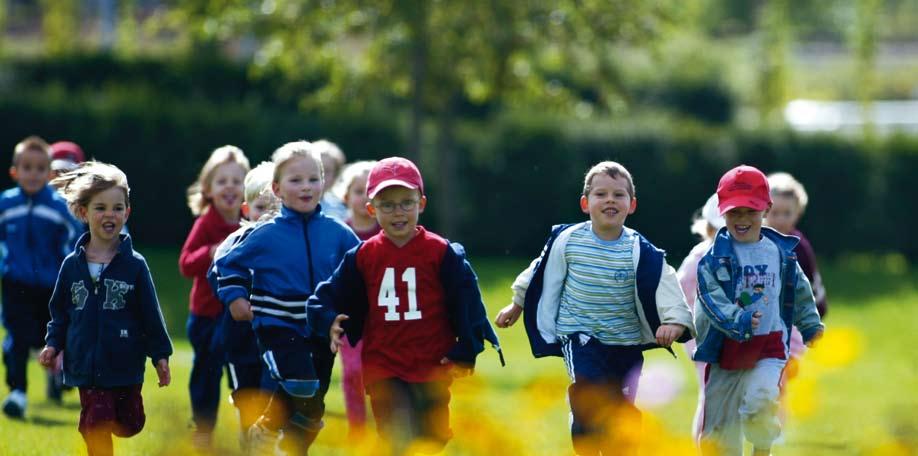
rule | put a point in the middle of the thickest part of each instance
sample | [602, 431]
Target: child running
[599, 295]
[216, 198]
[104, 312]
[751, 291]
[37, 232]
[413, 300]
[267, 276]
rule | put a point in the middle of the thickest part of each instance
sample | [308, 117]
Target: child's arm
[197, 252]
[233, 271]
[56, 338]
[156, 338]
[728, 317]
[675, 315]
[511, 313]
[806, 317]
[344, 293]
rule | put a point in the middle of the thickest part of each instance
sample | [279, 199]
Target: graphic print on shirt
[114, 294]
[78, 294]
[754, 281]
[389, 299]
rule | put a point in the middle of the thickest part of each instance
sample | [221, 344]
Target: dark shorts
[120, 408]
[408, 411]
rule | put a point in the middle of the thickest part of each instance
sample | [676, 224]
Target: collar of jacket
[125, 247]
[723, 245]
[45, 194]
[289, 214]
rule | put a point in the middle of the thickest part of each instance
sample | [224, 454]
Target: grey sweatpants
[741, 403]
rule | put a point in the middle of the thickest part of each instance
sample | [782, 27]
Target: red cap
[65, 155]
[743, 186]
[394, 171]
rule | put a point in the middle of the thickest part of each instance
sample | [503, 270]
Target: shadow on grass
[48, 421]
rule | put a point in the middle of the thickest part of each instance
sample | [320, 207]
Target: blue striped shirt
[598, 295]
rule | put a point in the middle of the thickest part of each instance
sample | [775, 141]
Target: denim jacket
[716, 314]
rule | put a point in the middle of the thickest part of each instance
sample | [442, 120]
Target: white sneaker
[262, 441]
[14, 405]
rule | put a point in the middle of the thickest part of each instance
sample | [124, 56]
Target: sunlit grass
[854, 393]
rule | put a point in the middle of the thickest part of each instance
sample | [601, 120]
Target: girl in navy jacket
[104, 311]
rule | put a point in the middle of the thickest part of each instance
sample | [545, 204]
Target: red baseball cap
[65, 155]
[394, 171]
[743, 186]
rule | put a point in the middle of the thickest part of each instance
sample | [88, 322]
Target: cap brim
[742, 201]
[390, 183]
[63, 165]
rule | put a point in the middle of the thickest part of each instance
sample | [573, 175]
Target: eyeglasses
[388, 207]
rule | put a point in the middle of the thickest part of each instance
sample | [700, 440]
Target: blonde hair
[292, 150]
[707, 219]
[258, 181]
[31, 143]
[783, 184]
[613, 170]
[197, 202]
[87, 180]
[331, 150]
[350, 173]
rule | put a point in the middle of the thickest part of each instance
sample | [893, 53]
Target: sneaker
[262, 441]
[201, 440]
[15, 404]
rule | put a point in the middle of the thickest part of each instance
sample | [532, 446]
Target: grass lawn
[855, 393]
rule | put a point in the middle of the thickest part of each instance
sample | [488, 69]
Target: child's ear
[81, 212]
[127, 213]
[245, 209]
[767, 210]
[633, 206]
[371, 210]
[584, 205]
[422, 203]
[13, 174]
[275, 187]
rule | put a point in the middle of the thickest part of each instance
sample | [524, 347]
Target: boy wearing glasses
[414, 300]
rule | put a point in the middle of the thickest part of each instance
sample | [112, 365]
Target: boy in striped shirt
[599, 295]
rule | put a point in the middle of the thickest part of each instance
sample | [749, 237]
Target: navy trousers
[206, 371]
[25, 316]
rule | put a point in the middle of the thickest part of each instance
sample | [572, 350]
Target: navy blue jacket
[107, 328]
[235, 338]
[38, 232]
[345, 292]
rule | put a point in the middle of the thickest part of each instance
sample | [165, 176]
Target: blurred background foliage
[504, 104]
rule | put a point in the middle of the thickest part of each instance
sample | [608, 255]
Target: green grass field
[855, 393]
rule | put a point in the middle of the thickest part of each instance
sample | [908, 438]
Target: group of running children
[292, 264]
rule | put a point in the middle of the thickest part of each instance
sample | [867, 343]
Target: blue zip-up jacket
[37, 232]
[345, 293]
[658, 296]
[716, 314]
[278, 264]
[109, 327]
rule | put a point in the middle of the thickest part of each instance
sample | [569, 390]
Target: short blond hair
[197, 202]
[332, 151]
[350, 173]
[30, 143]
[783, 184]
[613, 170]
[258, 181]
[87, 180]
[292, 150]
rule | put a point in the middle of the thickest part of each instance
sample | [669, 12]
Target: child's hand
[457, 370]
[162, 371]
[755, 319]
[336, 332]
[241, 310]
[667, 334]
[47, 356]
[815, 338]
[508, 316]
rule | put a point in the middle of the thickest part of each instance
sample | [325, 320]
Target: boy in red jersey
[414, 300]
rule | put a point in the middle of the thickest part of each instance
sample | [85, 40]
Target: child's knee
[762, 398]
[129, 427]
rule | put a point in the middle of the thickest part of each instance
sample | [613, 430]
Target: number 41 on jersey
[387, 297]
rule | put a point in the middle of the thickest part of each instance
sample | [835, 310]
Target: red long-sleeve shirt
[209, 230]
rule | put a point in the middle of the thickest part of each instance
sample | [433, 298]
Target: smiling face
[745, 223]
[396, 210]
[106, 214]
[609, 203]
[300, 184]
[784, 213]
[32, 170]
[225, 190]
